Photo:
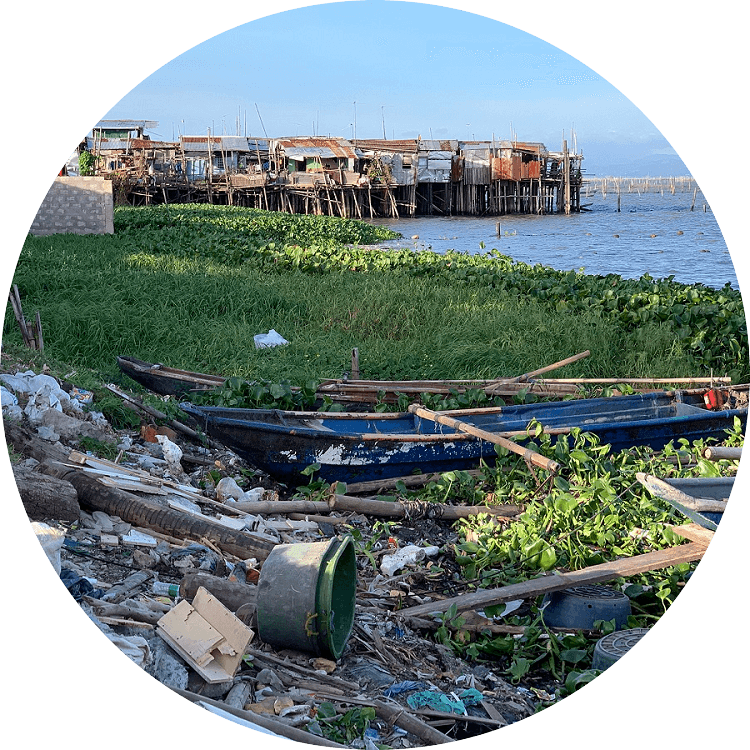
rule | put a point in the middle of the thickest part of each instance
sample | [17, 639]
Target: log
[45, 497]
[146, 513]
[719, 453]
[232, 594]
[386, 509]
[530, 456]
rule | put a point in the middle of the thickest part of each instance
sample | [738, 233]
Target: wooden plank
[557, 581]
[205, 633]
[694, 533]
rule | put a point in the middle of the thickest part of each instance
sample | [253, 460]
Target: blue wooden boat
[701, 499]
[352, 447]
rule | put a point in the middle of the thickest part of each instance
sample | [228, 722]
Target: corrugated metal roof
[339, 148]
[226, 142]
[393, 146]
[431, 145]
[147, 143]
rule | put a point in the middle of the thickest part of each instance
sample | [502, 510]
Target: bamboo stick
[531, 456]
[388, 509]
[494, 387]
[549, 368]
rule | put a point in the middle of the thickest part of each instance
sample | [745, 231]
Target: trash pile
[215, 583]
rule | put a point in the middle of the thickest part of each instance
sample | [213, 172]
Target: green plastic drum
[306, 595]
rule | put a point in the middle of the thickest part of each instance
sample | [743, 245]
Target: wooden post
[31, 334]
[355, 364]
[566, 176]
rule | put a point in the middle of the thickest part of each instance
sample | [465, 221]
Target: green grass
[191, 285]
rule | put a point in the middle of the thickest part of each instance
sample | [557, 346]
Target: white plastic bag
[268, 340]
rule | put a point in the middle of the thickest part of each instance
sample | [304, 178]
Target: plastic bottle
[161, 588]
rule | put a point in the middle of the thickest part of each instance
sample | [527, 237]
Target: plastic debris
[403, 687]
[438, 701]
[405, 556]
[268, 340]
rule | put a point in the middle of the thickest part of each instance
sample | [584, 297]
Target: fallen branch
[179, 426]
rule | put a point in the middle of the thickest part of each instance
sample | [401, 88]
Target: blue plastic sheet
[403, 687]
[438, 701]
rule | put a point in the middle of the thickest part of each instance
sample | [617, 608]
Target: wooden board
[207, 635]
[623, 568]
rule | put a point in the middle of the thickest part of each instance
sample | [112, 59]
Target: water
[686, 244]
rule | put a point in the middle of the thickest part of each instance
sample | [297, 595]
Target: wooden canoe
[354, 447]
[167, 381]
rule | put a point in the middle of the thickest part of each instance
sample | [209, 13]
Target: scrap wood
[430, 713]
[207, 635]
[694, 533]
[278, 662]
[275, 725]
[30, 332]
[557, 581]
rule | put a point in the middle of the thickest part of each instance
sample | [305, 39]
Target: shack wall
[76, 205]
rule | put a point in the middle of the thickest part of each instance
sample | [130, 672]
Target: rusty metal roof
[396, 146]
[338, 148]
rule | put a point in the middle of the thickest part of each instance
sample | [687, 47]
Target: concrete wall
[78, 205]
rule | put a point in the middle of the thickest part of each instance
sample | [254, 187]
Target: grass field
[190, 286]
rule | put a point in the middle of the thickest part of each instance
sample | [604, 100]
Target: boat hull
[689, 494]
[365, 447]
[167, 381]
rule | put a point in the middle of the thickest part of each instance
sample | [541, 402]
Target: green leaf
[519, 668]
[573, 655]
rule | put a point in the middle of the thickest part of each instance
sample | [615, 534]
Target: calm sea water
[654, 232]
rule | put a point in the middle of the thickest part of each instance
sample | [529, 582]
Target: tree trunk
[46, 498]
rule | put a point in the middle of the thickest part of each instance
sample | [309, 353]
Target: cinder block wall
[78, 205]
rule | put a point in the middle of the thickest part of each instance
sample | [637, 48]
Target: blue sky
[406, 69]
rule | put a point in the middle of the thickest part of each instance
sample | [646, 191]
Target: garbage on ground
[439, 701]
[268, 340]
[405, 556]
[207, 635]
[175, 574]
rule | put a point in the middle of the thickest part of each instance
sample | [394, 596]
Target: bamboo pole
[530, 456]
[489, 390]
[549, 368]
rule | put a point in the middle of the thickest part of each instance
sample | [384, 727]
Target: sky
[397, 70]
